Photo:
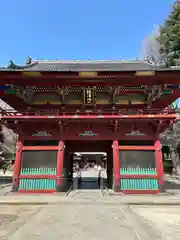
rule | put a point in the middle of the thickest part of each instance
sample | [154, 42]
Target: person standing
[99, 168]
[77, 178]
[95, 166]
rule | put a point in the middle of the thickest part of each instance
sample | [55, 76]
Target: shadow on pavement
[5, 179]
[168, 185]
[89, 183]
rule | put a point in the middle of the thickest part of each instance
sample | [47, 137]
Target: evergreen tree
[169, 38]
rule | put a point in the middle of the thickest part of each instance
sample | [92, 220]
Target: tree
[169, 38]
[151, 48]
[7, 148]
[8, 141]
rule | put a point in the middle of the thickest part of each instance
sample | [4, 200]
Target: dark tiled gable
[76, 66]
[91, 66]
[86, 65]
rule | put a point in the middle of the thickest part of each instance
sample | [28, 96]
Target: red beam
[84, 82]
[26, 74]
[123, 77]
[36, 148]
[37, 81]
[135, 116]
[146, 148]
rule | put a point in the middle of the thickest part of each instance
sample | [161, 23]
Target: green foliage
[169, 38]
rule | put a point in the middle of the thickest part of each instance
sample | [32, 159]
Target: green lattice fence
[37, 184]
[138, 179]
[38, 179]
[139, 184]
[138, 171]
[38, 171]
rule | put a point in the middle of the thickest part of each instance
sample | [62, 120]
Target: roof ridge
[91, 61]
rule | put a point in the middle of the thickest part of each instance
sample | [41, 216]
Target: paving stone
[82, 222]
[165, 221]
[88, 215]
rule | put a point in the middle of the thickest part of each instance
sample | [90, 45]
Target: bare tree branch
[151, 48]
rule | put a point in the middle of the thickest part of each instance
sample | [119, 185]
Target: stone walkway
[89, 196]
[86, 214]
[77, 222]
[89, 220]
[164, 221]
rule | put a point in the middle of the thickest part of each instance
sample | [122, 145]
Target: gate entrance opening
[88, 157]
[90, 165]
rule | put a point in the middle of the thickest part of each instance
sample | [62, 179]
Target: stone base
[116, 188]
[161, 188]
[14, 188]
[60, 188]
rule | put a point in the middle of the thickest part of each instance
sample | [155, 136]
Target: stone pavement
[86, 214]
[77, 222]
[89, 220]
[164, 221]
[89, 196]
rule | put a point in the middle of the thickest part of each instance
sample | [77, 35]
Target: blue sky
[94, 29]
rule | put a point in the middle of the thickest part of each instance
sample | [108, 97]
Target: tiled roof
[85, 65]
[78, 65]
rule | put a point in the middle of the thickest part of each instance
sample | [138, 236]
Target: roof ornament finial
[11, 64]
[28, 60]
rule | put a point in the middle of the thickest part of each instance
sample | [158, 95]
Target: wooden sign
[88, 74]
[145, 73]
[31, 74]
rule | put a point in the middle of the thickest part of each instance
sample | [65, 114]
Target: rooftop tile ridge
[92, 61]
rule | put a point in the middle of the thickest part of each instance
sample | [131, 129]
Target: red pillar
[159, 163]
[116, 166]
[59, 168]
[17, 166]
